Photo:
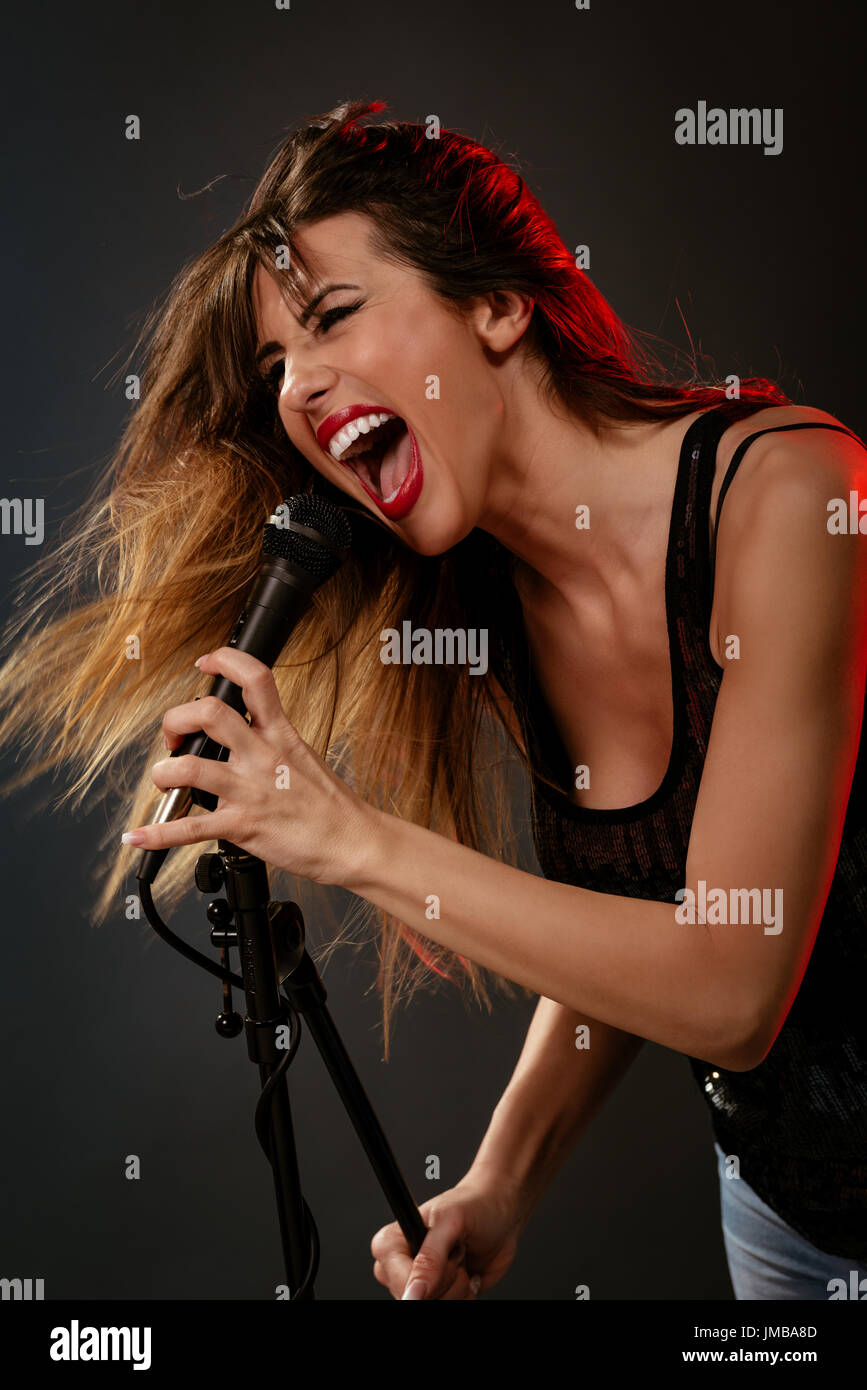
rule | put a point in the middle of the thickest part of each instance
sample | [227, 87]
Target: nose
[305, 384]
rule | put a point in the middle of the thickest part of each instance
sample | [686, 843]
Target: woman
[546, 484]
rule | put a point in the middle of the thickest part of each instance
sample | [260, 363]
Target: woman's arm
[626, 959]
[555, 1091]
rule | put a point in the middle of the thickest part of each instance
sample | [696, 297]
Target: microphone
[304, 543]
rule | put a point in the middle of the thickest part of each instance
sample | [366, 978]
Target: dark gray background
[107, 1043]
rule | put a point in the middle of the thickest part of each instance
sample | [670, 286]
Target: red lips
[335, 422]
[411, 486]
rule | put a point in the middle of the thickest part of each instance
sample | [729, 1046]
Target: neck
[548, 465]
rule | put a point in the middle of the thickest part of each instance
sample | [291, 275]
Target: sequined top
[798, 1120]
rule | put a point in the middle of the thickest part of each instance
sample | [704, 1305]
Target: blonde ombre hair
[170, 538]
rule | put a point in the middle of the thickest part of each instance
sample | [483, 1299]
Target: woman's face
[380, 339]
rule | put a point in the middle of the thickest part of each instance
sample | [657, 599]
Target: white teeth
[362, 424]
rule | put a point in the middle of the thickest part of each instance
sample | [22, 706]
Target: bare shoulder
[791, 475]
[793, 460]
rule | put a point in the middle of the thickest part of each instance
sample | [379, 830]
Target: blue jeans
[766, 1258]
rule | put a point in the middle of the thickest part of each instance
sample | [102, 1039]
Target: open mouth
[382, 458]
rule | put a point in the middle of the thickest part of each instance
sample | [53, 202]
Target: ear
[501, 317]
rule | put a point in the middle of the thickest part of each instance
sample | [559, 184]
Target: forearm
[555, 1091]
[624, 961]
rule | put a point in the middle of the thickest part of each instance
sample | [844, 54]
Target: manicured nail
[133, 837]
[200, 660]
[414, 1289]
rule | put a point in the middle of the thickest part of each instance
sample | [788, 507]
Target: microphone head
[309, 532]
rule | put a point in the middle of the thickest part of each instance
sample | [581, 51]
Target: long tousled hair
[153, 567]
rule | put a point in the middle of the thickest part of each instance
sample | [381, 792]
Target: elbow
[741, 1045]
[747, 1054]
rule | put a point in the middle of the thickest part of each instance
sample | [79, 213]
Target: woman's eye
[325, 321]
[272, 378]
[331, 316]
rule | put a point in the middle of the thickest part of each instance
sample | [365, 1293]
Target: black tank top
[797, 1121]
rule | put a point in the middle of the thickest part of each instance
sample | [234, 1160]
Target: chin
[422, 530]
[434, 535]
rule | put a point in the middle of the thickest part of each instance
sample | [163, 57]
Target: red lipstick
[335, 422]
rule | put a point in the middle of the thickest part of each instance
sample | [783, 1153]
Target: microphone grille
[320, 553]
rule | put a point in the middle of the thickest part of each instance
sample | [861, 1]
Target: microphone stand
[303, 545]
[269, 937]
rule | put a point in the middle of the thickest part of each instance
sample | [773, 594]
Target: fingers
[394, 1276]
[189, 771]
[217, 719]
[435, 1265]
[436, 1272]
[214, 825]
[256, 681]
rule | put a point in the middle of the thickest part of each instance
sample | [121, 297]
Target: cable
[263, 1128]
[159, 926]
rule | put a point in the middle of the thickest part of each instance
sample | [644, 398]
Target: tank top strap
[690, 594]
[738, 456]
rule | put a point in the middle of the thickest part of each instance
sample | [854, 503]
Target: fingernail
[476, 1283]
[133, 837]
[416, 1288]
[200, 660]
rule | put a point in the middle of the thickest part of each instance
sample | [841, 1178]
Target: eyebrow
[311, 308]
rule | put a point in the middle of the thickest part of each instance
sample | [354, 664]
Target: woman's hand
[277, 798]
[472, 1238]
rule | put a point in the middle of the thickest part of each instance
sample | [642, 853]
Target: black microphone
[304, 543]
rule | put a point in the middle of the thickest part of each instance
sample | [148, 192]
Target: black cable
[159, 926]
[269, 1090]
[263, 1128]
